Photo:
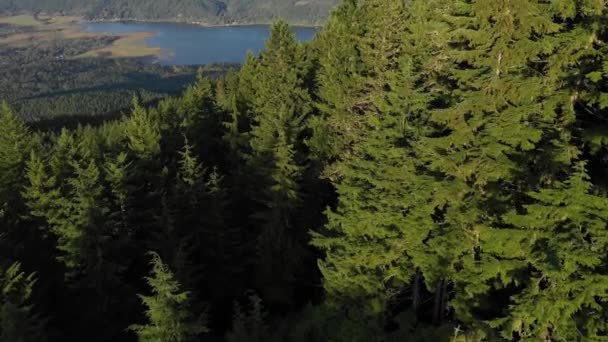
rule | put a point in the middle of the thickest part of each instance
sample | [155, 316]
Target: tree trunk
[444, 301]
[439, 298]
[416, 293]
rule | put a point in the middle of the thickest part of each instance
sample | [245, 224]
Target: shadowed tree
[167, 309]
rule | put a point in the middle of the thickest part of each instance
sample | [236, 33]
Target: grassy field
[131, 45]
[21, 20]
[45, 29]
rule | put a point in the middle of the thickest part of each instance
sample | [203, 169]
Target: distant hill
[206, 11]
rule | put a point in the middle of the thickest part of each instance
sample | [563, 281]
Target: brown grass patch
[131, 45]
[49, 28]
[21, 20]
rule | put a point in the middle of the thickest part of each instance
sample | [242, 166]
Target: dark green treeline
[424, 170]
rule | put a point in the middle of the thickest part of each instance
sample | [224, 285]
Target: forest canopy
[423, 170]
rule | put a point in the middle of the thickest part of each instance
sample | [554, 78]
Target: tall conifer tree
[502, 116]
[279, 110]
[368, 239]
[15, 146]
[168, 309]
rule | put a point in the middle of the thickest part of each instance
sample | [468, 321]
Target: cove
[188, 44]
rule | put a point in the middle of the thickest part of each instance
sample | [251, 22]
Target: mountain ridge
[203, 11]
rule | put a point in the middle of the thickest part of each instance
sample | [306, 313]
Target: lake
[185, 44]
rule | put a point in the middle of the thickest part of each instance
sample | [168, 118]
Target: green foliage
[503, 126]
[143, 132]
[201, 120]
[368, 240]
[16, 142]
[15, 145]
[168, 311]
[18, 322]
[448, 156]
[71, 207]
[117, 175]
[47, 82]
[491, 85]
[249, 323]
[339, 83]
[565, 294]
[279, 108]
[190, 170]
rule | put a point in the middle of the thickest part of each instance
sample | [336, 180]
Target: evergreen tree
[249, 323]
[280, 109]
[16, 142]
[64, 150]
[117, 173]
[89, 245]
[502, 115]
[74, 216]
[368, 240]
[15, 146]
[202, 120]
[340, 83]
[562, 232]
[148, 181]
[246, 89]
[168, 311]
[142, 132]
[18, 322]
[239, 107]
[458, 148]
[182, 218]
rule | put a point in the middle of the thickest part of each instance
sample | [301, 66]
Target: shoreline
[76, 18]
[195, 23]
[126, 44]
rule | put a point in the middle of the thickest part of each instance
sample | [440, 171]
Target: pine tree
[18, 322]
[279, 110]
[235, 103]
[226, 87]
[168, 311]
[239, 107]
[15, 146]
[64, 150]
[246, 90]
[41, 193]
[198, 237]
[76, 212]
[368, 239]
[502, 111]
[16, 142]
[249, 323]
[182, 218]
[143, 132]
[117, 172]
[91, 244]
[149, 153]
[202, 120]
[73, 216]
[563, 297]
[191, 172]
[340, 83]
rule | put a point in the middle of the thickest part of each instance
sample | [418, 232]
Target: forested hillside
[427, 170]
[45, 76]
[205, 11]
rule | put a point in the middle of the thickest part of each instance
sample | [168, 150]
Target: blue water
[185, 44]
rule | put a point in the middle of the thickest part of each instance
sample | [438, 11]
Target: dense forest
[206, 11]
[46, 78]
[423, 170]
